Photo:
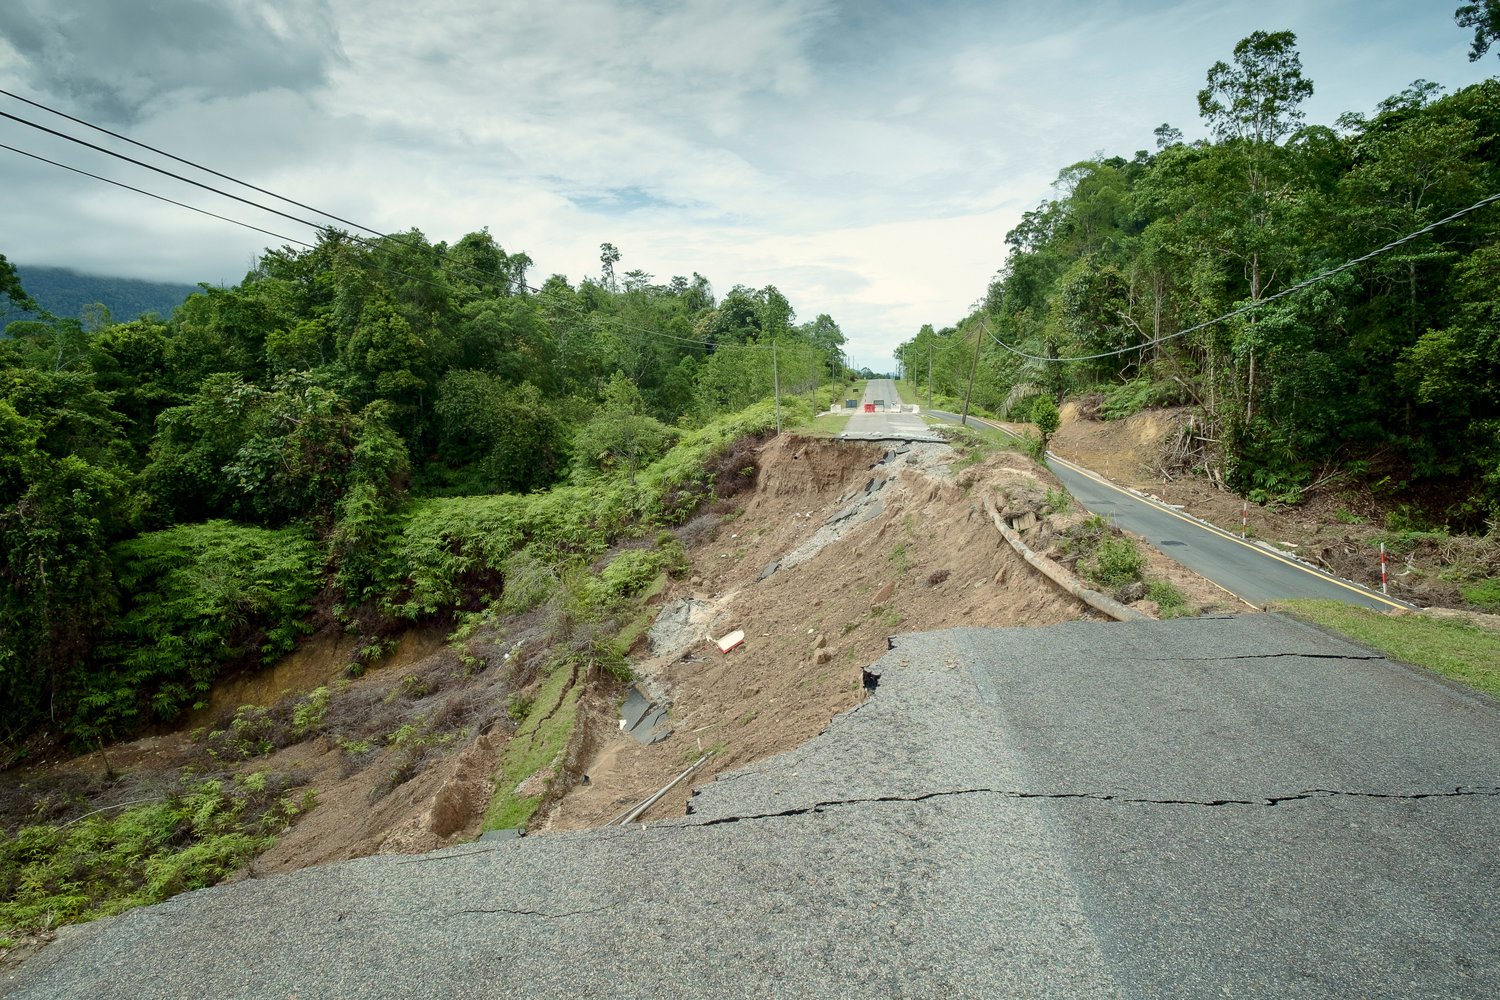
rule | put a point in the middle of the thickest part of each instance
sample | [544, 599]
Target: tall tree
[609, 256]
[1484, 18]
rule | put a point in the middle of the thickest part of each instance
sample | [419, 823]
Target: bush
[101, 865]
[1116, 562]
[1168, 599]
[451, 550]
[202, 596]
[632, 571]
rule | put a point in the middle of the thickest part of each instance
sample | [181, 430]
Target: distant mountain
[65, 293]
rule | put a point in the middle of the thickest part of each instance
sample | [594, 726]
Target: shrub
[202, 596]
[1168, 598]
[1116, 562]
[101, 865]
[632, 571]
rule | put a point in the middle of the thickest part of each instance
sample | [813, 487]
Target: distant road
[880, 425]
[1249, 571]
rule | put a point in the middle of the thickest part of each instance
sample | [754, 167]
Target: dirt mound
[1127, 451]
[917, 552]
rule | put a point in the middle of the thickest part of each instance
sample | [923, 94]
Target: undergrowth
[103, 864]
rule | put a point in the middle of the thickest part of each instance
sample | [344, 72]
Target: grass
[907, 391]
[538, 741]
[825, 425]
[1169, 600]
[900, 558]
[1454, 648]
[1484, 594]
[106, 862]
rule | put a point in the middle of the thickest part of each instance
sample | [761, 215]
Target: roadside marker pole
[1382, 568]
[1244, 517]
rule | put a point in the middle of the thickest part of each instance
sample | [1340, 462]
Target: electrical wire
[158, 197]
[162, 170]
[306, 222]
[1248, 307]
[184, 161]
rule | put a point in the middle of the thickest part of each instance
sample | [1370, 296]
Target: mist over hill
[65, 293]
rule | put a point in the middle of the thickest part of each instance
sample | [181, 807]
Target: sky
[866, 157]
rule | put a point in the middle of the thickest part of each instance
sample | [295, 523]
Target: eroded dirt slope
[909, 548]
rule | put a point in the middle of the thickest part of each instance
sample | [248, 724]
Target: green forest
[1385, 374]
[363, 433]
[60, 292]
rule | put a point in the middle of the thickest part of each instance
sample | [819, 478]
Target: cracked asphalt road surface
[1237, 807]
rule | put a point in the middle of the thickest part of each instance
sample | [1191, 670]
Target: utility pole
[776, 381]
[973, 367]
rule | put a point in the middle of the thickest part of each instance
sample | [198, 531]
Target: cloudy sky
[865, 156]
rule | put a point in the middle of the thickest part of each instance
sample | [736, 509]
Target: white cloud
[867, 158]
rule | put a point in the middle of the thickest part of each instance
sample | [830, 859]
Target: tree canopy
[1386, 371]
[175, 490]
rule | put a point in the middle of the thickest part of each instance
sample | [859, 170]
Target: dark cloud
[114, 60]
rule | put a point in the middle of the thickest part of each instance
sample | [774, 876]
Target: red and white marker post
[1383, 574]
[1244, 517]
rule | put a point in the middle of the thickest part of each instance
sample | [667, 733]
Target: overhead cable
[158, 197]
[184, 161]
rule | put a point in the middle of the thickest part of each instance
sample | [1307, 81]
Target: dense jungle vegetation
[360, 433]
[1386, 374]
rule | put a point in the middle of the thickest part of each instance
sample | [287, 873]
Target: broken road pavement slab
[643, 718]
[1241, 806]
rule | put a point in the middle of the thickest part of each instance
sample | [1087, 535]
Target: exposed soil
[866, 543]
[1318, 530]
[929, 559]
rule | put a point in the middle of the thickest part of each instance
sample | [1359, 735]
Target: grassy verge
[1454, 648]
[825, 425]
[907, 391]
[539, 741]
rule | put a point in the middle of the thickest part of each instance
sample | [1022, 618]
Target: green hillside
[66, 294]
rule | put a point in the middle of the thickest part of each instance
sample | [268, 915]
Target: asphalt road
[883, 426]
[1197, 808]
[1249, 571]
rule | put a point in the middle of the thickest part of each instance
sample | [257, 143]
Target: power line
[164, 171]
[306, 222]
[184, 161]
[158, 197]
[1269, 298]
[402, 240]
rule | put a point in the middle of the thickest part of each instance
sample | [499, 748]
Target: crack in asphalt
[1260, 656]
[1268, 801]
[529, 913]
